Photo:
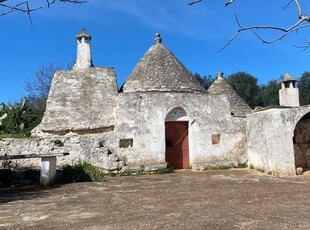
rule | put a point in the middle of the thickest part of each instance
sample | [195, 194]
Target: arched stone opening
[301, 142]
[176, 136]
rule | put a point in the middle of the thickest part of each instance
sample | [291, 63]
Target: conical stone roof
[160, 71]
[238, 107]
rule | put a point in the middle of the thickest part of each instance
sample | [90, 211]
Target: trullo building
[162, 115]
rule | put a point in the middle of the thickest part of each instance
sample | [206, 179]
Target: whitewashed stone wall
[141, 116]
[289, 96]
[80, 100]
[270, 139]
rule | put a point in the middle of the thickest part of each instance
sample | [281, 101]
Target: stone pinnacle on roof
[160, 71]
[158, 39]
[220, 75]
[238, 107]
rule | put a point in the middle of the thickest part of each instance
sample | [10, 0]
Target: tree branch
[194, 2]
[24, 6]
[302, 22]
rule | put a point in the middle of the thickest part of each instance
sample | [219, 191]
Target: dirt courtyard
[231, 199]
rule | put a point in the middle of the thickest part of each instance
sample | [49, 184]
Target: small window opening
[216, 139]
[287, 84]
[125, 143]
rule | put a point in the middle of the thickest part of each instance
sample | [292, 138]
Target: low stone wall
[94, 149]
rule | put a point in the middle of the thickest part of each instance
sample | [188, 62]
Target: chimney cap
[83, 35]
[220, 75]
[288, 78]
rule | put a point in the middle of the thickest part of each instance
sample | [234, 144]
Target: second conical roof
[159, 70]
[238, 107]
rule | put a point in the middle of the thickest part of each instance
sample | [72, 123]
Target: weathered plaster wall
[96, 149]
[141, 116]
[80, 100]
[289, 97]
[270, 139]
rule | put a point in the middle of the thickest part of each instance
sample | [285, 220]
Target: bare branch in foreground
[24, 6]
[228, 3]
[194, 2]
[295, 27]
[302, 22]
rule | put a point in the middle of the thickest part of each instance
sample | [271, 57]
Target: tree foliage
[304, 89]
[254, 94]
[20, 119]
[270, 93]
[39, 85]
[246, 87]
[205, 81]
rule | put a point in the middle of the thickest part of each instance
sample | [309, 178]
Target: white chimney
[83, 56]
[289, 93]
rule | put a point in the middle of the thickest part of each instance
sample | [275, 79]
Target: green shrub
[222, 167]
[261, 170]
[242, 165]
[140, 172]
[81, 172]
[168, 169]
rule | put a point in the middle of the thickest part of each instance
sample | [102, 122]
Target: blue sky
[123, 30]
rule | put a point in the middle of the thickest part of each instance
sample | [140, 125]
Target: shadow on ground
[231, 199]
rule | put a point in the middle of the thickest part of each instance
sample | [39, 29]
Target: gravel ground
[230, 199]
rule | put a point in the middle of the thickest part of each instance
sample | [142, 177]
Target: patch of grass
[168, 169]
[222, 167]
[261, 170]
[14, 136]
[81, 172]
[242, 165]
[140, 172]
[127, 173]
[225, 167]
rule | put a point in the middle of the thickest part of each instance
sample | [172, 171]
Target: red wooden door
[177, 151]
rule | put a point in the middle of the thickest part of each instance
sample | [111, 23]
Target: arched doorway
[176, 131]
[301, 142]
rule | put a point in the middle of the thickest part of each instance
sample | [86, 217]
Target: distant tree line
[254, 94]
